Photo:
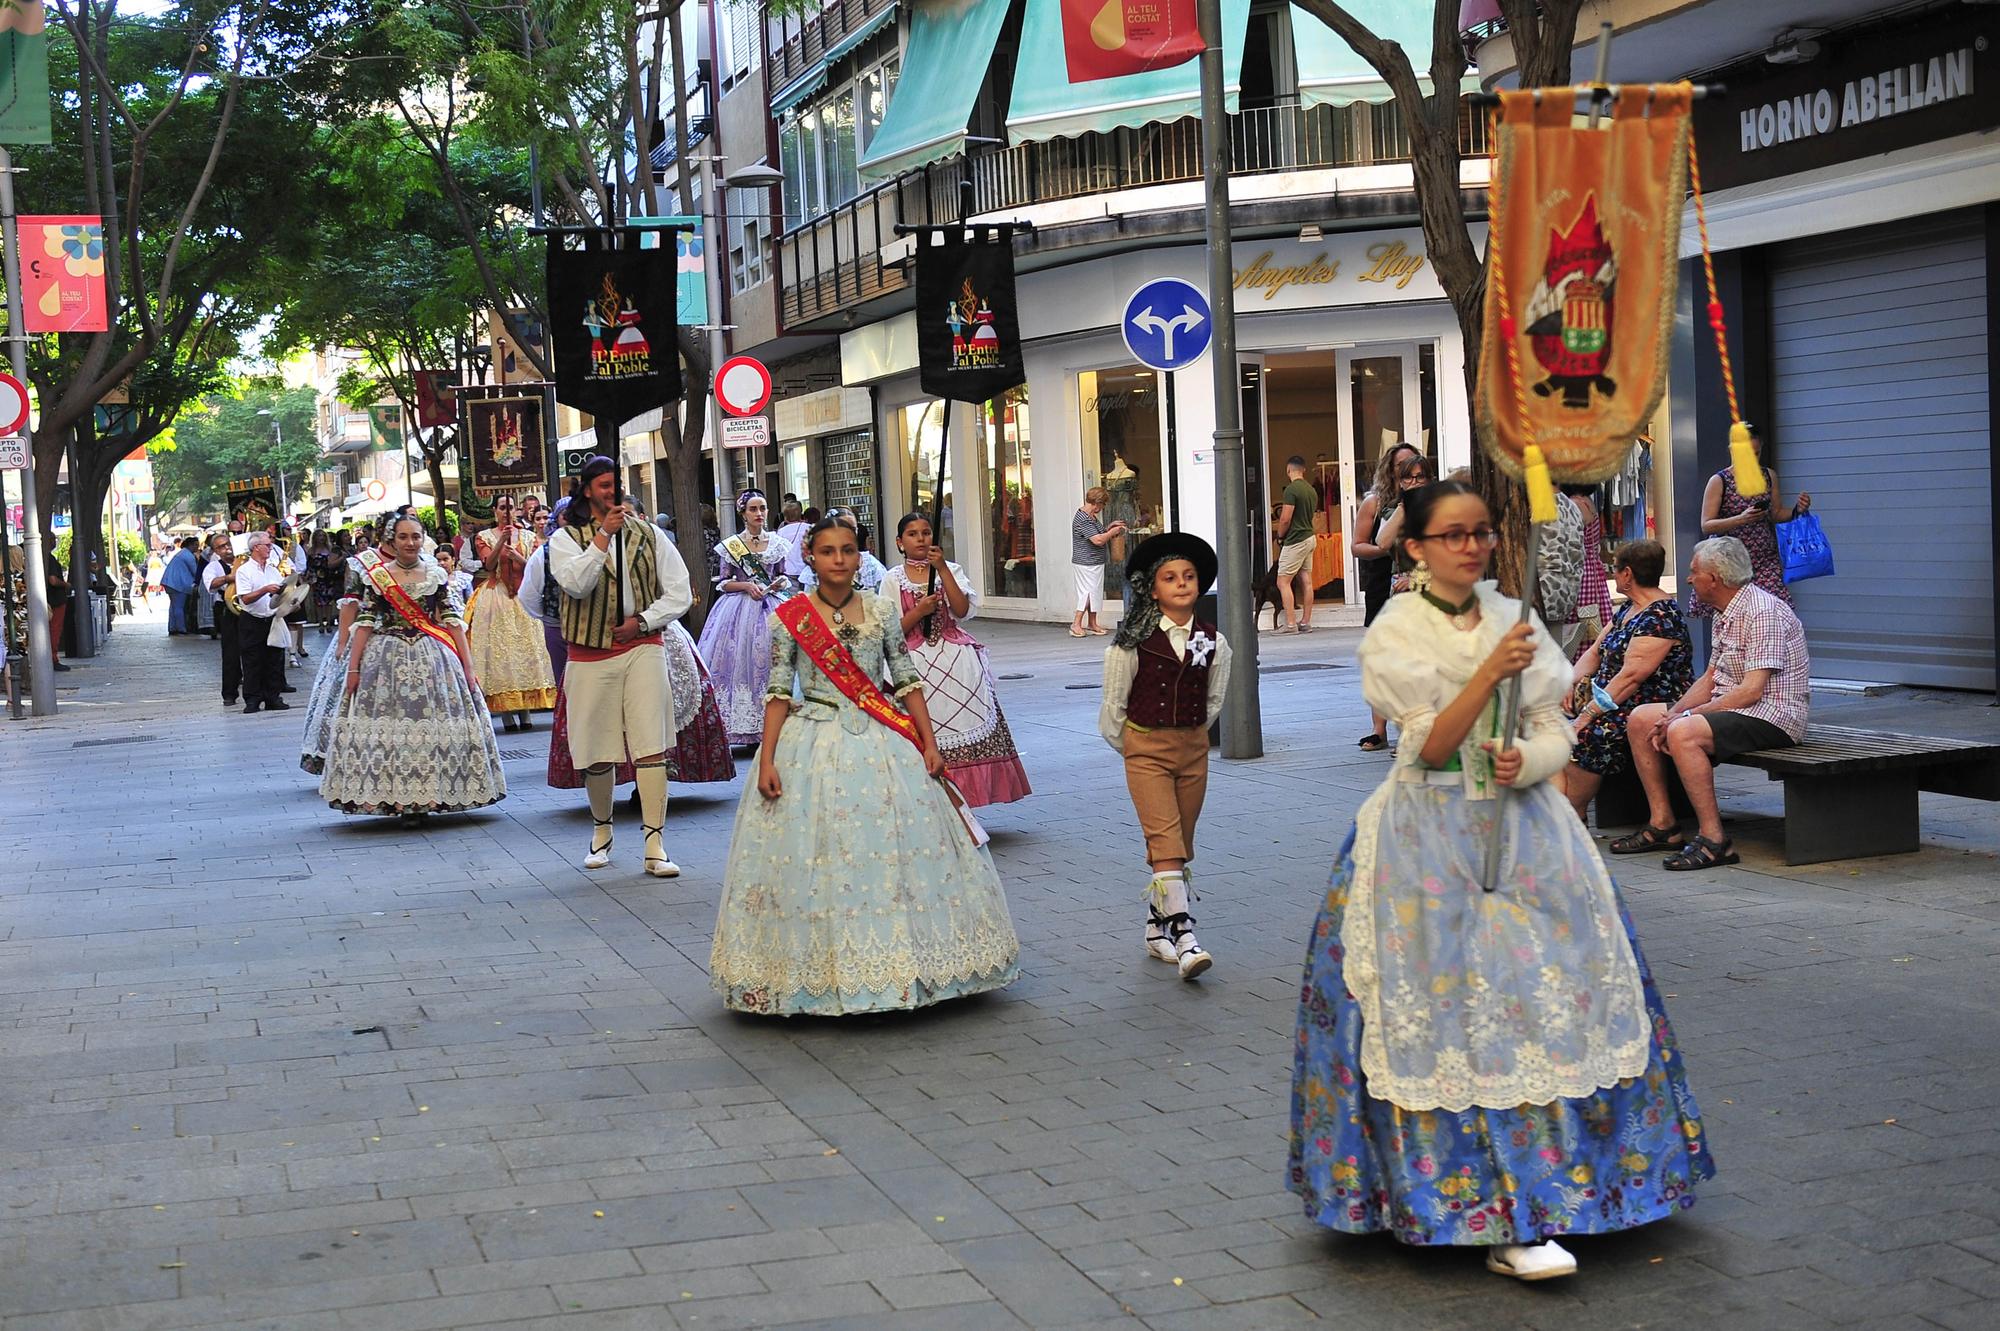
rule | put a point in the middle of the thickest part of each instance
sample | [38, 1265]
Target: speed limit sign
[13, 452]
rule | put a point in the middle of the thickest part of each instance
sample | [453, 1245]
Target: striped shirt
[1757, 631]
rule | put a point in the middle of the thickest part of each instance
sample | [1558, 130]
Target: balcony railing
[833, 263]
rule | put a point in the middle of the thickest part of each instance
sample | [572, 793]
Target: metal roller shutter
[1879, 379]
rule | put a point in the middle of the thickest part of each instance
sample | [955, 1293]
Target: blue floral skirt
[1623, 1157]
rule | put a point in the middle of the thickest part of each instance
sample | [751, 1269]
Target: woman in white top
[1480, 1067]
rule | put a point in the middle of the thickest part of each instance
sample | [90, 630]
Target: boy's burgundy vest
[1170, 692]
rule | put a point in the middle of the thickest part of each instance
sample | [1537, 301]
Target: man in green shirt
[1293, 533]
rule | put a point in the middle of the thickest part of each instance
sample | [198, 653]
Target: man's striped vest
[590, 621]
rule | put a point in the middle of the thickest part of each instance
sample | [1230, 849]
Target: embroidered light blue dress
[1475, 1067]
[858, 889]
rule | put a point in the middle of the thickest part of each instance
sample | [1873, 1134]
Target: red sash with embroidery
[403, 603]
[834, 661]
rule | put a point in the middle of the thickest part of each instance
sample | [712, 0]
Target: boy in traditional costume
[1164, 676]
[621, 585]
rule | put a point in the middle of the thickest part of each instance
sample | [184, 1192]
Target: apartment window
[820, 143]
[748, 243]
[741, 33]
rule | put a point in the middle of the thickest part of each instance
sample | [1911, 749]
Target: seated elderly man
[1754, 695]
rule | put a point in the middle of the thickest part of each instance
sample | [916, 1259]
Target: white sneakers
[1193, 959]
[1542, 1261]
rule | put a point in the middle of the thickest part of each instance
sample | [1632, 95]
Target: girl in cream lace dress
[1475, 1067]
[853, 885]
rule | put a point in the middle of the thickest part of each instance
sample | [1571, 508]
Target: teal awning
[944, 65]
[1331, 74]
[800, 88]
[869, 27]
[1048, 106]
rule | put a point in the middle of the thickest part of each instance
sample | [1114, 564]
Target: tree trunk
[434, 464]
[683, 465]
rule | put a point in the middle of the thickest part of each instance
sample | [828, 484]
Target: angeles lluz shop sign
[1869, 92]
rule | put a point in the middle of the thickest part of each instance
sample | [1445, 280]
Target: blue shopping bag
[1802, 544]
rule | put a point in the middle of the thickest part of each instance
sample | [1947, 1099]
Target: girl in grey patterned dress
[414, 736]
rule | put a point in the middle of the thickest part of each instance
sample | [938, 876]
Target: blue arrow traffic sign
[1167, 324]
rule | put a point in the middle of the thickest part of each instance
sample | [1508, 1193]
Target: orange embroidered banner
[1584, 254]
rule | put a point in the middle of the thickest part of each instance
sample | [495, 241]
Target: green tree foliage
[223, 438]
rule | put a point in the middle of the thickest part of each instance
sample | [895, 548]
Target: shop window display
[920, 434]
[1121, 451]
[1009, 483]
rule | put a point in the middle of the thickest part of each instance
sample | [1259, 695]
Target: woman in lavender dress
[736, 640]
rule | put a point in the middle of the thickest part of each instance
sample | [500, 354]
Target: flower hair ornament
[743, 500]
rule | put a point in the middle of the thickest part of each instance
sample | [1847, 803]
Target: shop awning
[1047, 105]
[869, 27]
[810, 82]
[800, 88]
[951, 44]
[1331, 74]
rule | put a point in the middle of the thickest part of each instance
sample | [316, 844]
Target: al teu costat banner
[968, 324]
[612, 305]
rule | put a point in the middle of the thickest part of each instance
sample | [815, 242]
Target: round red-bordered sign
[376, 491]
[742, 386]
[14, 404]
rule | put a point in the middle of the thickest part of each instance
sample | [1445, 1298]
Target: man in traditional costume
[621, 585]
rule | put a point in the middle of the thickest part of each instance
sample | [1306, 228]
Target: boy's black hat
[1175, 545]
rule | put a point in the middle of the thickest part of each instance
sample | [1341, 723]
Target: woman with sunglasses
[508, 651]
[1473, 1067]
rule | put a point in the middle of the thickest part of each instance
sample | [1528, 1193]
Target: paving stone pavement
[268, 1066]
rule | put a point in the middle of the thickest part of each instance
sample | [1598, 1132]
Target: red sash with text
[835, 662]
[401, 601]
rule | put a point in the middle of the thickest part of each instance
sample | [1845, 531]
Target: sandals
[1100, 632]
[1701, 853]
[1646, 840]
[1372, 743]
[1078, 633]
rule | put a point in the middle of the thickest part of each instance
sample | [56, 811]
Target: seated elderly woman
[1755, 694]
[1644, 656]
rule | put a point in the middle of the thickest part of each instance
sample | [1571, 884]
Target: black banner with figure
[254, 503]
[613, 306]
[968, 325]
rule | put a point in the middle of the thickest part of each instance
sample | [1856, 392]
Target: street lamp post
[716, 254]
[278, 430]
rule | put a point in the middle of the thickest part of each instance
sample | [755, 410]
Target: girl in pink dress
[965, 711]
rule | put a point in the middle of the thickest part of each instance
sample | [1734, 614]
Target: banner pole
[1242, 720]
[937, 511]
[41, 653]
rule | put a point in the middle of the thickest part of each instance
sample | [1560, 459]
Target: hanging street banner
[510, 361]
[62, 267]
[613, 304]
[968, 323]
[502, 434]
[24, 76]
[690, 269]
[132, 479]
[254, 503]
[1585, 249]
[1105, 39]
[437, 398]
[385, 428]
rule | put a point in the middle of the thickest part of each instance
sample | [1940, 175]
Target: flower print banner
[1584, 248]
[62, 272]
[24, 75]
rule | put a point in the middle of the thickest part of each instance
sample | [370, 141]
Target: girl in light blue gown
[854, 884]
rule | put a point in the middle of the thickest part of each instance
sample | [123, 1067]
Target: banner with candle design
[62, 271]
